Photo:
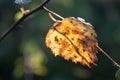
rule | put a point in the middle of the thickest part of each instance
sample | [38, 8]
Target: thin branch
[49, 11]
[52, 17]
[23, 18]
[114, 62]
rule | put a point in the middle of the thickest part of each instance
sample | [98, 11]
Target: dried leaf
[73, 39]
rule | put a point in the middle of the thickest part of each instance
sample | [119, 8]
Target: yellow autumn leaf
[73, 39]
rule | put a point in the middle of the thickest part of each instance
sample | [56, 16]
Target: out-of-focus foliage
[117, 74]
[18, 16]
[22, 2]
[24, 56]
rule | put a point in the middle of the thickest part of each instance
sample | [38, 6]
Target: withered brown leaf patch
[73, 39]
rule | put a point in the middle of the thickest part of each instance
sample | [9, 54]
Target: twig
[22, 18]
[49, 11]
[114, 62]
[52, 17]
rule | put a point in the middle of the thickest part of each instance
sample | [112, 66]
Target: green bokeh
[21, 50]
[117, 74]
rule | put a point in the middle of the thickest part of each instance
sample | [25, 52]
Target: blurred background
[24, 56]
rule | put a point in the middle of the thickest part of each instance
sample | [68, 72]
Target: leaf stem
[49, 11]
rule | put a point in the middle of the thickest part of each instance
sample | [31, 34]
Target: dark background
[24, 56]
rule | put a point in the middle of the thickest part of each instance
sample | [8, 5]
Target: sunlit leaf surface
[73, 39]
